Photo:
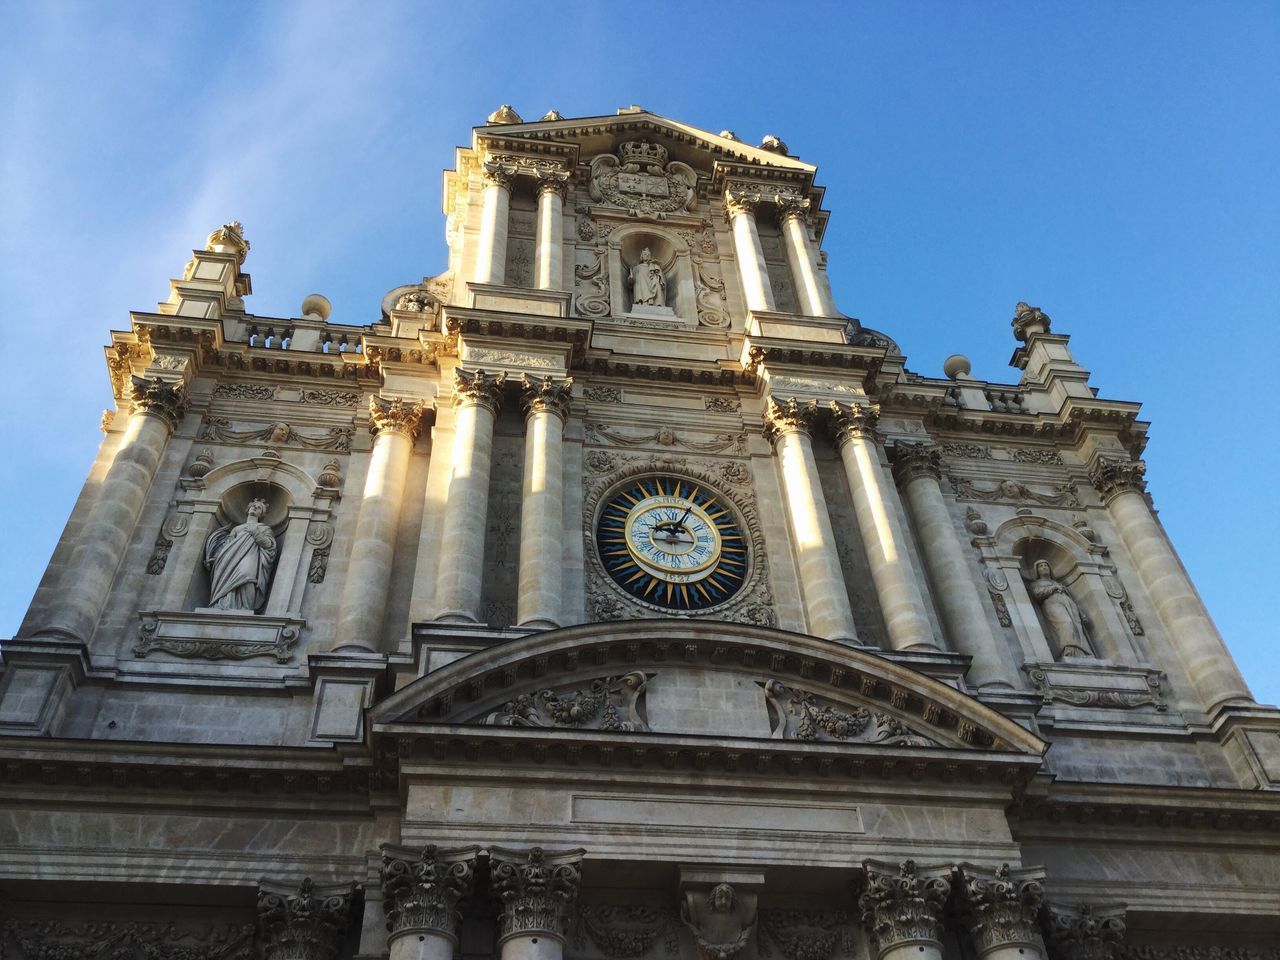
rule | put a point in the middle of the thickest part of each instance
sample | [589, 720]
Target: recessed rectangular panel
[661, 811]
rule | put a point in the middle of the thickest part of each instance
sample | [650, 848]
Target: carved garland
[606, 471]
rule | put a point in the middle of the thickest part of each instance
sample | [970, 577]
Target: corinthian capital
[1112, 476]
[902, 903]
[742, 198]
[394, 415]
[1083, 933]
[787, 416]
[546, 395]
[1002, 907]
[854, 421]
[553, 180]
[305, 924]
[422, 892]
[495, 171]
[537, 889]
[914, 460]
[791, 204]
[478, 387]
[166, 399]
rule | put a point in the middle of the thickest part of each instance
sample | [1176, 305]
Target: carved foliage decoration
[642, 181]
[161, 398]
[1111, 476]
[903, 904]
[796, 714]
[303, 925]
[624, 931]
[1055, 689]
[1085, 932]
[1011, 491]
[537, 890]
[422, 893]
[219, 430]
[128, 940]
[244, 391]
[611, 703]
[804, 934]
[1002, 907]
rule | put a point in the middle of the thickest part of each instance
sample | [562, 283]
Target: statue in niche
[721, 920]
[1063, 615]
[648, 283]
[240, 557]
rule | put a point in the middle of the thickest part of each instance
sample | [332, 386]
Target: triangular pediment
[676, 678]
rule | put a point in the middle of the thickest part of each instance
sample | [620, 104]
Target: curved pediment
[701, 678]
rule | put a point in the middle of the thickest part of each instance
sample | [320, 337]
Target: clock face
[672, 543]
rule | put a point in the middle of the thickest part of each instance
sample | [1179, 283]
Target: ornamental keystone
[537, 890]
[902, 903]
[305, 924]
[421, 893]
[1002, 907]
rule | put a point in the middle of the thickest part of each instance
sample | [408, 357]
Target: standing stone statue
[648, 284]
[1063, 615]
[240, 557]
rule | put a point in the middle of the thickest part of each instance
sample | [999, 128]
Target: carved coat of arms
[642, 181]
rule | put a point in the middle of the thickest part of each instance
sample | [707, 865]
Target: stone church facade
[613, 596]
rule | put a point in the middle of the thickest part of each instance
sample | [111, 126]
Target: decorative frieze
[902, 904]
[804, 934]
[306, 924]
[218, 429]
[537, 890]
[603, 394]
[546, 395]
[1002, 907]
[723, 404]
[244, 391]
[1084, 932]
[478, 387]
[610, 703]
[422, 893]
[721, 919]
[666, 437]
[1011, 491]
[624, 931]
[165, 399]
[329, 398]
[129, 940]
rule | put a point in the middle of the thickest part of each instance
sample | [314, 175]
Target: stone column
[420, 896]
[918, 470]
[826, 601]
[1001, 908]
[537, 891]
[741, 205]
[902, 906]
[546, 408]
[364, 594]
[1083, 933]
[157, 407]
[813, 294]
[491, 250]
[478, 398]
[882, 536]
[548, 258]
[1208, 663]
[306, 924]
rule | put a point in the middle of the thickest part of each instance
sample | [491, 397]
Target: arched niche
[670, 251]
[1078, 564]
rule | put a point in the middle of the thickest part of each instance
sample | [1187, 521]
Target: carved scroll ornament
[612, 703]
[796, 714]
[642, 181]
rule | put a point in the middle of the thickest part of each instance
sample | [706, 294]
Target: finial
[774, 145]
[552, 115]
[730, 135]
[1028, 320]
[957, 367]
[229, 238]
[504, 114]
[316, 307]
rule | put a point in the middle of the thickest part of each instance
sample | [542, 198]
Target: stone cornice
[573, 332]
[1068, 808]
[665, 370]
[775, 353]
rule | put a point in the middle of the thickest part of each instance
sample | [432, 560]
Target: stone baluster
[1204, 655]
[306, 924]
[802, 256]
[741, 205]
[537, 891]
[788, 425]
[396, 423]
[548, 259]
[495, 211]
[918, 470]
[157, 407]
[478, 398]
[1083, 933]
[1001, 908]
[902, 906]
[901, 602]
[420, 896]
[546, 408]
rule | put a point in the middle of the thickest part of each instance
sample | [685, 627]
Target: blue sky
[1113, 163]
